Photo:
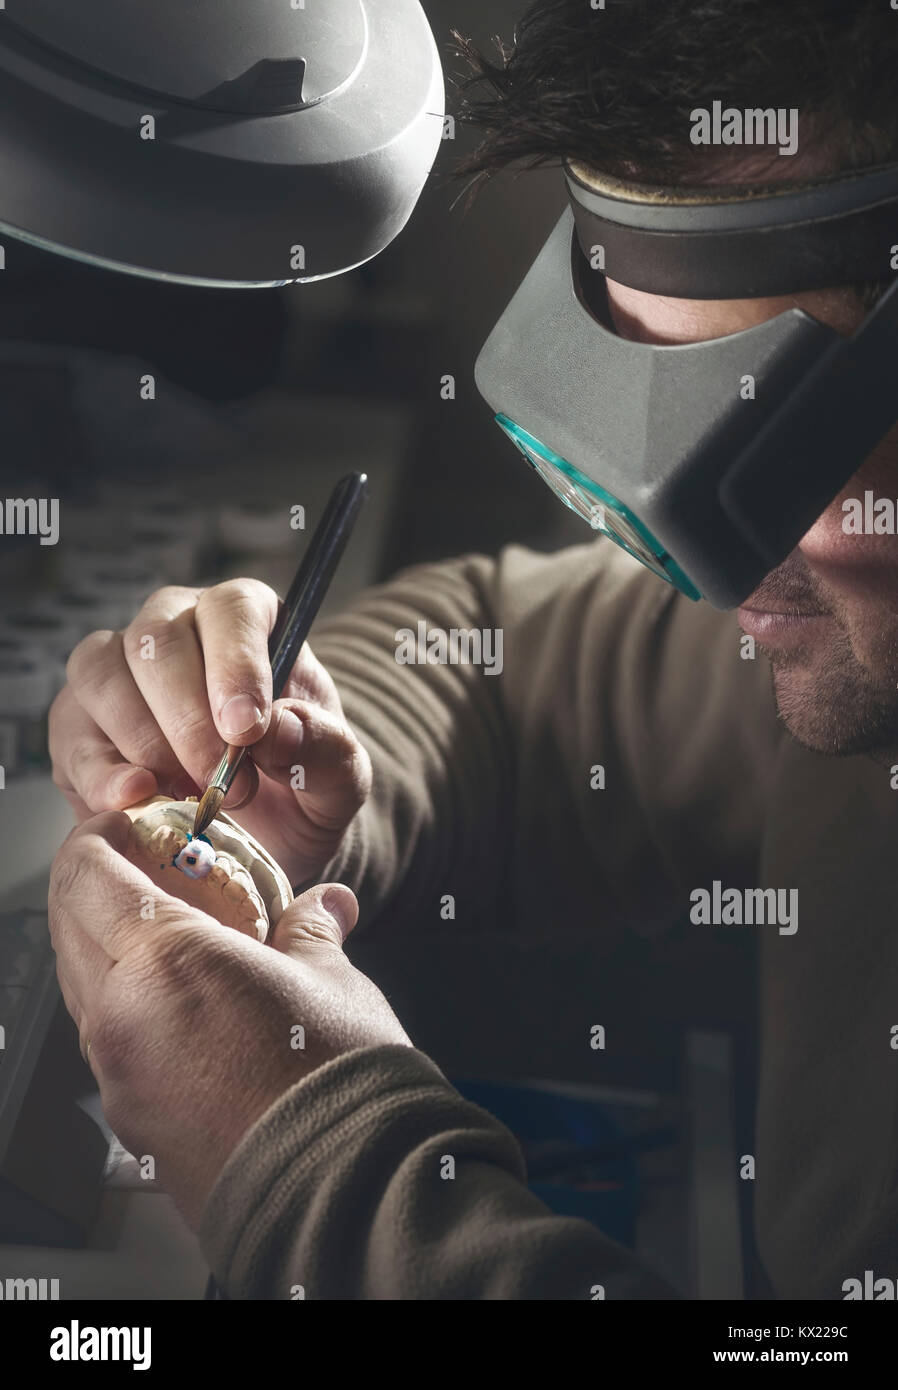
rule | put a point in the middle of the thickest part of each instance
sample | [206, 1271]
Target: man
[321, 1169]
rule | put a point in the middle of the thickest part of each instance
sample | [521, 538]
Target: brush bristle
[208, 809]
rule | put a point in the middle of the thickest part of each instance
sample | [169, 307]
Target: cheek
[828, 546]
[196, 860]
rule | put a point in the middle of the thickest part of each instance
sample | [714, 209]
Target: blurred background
[180, 428]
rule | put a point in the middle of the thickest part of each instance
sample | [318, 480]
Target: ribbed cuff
[256, 1210]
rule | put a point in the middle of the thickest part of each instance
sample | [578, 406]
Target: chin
[832, 705]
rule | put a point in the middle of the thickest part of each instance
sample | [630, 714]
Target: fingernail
[243, 788]
[239, 715]
[288, 738]
[340, 905]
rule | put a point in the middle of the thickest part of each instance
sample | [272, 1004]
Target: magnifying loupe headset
[707, 461]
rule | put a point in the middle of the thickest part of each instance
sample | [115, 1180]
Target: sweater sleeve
[374, 1179]
[594, 763]
[583, 787]
[438, 735]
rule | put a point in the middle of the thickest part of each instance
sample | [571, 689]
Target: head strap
[734, 242]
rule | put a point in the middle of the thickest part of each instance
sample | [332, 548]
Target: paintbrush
[294, 621]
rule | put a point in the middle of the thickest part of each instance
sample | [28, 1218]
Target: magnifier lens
[596, 506]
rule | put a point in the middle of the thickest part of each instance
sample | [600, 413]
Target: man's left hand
[194, 1029]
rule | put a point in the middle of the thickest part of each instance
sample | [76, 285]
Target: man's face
[828, 615]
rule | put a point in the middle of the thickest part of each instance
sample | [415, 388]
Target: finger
[70, 998]
[81, 808]
[311, 681]
[84, 963]
[78, 1016]
[102, 683]
[326, 913]
[319, 755]
[163, 653]
[243, 788]
[96, 889]
[233, 623]
[87, 767]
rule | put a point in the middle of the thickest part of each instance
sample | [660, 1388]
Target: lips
[782, 627]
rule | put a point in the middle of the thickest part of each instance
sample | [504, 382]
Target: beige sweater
[483, 790]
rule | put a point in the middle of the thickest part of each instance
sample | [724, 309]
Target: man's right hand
[147, 710]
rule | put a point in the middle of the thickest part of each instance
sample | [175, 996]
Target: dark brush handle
[313, 578]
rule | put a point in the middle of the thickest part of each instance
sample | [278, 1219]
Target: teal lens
[596, 506]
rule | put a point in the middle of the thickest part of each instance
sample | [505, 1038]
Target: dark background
[386, 334]
[263, 399]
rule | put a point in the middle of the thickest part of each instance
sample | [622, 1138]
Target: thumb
[328, 912]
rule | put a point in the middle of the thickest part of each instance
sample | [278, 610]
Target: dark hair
[614, 87]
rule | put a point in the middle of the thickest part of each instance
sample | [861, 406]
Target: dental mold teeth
[197, 859]
[226, 873]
